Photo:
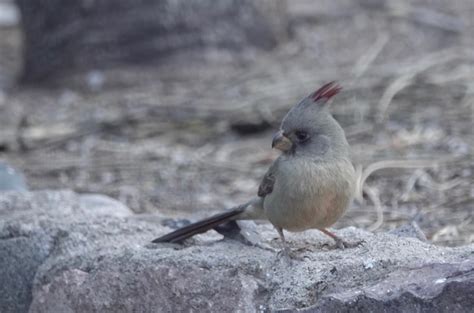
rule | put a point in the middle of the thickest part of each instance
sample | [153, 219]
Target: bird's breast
[309, 194]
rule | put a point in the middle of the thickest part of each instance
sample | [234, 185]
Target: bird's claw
[289, 254]
[342, 244]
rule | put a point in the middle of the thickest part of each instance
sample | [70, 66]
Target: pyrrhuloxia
[310, 185]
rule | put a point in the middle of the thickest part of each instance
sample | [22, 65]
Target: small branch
[369, 57]
[405, 79]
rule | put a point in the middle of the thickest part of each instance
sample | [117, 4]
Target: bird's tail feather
[200, 226]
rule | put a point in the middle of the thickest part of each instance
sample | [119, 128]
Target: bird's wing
[266, 186]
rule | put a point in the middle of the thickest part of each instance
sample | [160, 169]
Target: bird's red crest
[326, 92]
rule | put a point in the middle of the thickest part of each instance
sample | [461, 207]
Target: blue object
[11, 179]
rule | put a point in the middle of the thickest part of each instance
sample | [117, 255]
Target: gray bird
[309, 186]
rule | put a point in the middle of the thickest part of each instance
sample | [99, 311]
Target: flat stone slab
[58, 254]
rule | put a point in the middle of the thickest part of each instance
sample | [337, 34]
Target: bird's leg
[281, 234]
[340, 243]
[286, 249]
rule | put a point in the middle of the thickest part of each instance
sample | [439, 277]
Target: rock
[30, 207]
[411, 230]
[20, 257]
[175, 223]
[11, 179]
[429, 288]
[31, 227]
[86, 260]
[98, 204]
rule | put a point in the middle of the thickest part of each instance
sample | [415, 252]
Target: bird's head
[309, 129]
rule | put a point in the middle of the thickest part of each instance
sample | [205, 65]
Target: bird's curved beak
[281, 142]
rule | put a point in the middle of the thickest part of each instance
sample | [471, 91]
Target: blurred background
[170, 105]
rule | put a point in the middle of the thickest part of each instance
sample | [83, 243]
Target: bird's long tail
[201, 226]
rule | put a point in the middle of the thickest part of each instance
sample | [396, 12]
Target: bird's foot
[289, 254]
[342, 244]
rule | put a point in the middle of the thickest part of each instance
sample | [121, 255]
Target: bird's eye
[301, 135]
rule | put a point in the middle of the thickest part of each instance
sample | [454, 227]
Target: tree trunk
[65, 35]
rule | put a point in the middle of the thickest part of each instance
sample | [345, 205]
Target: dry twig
[405, 79]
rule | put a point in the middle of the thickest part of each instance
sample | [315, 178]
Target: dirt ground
[191, 135]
